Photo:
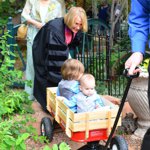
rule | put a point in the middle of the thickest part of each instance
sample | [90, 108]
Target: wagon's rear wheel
[47, 128]
[118, 143]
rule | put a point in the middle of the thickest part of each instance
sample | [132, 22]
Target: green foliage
[120, 51]
[9, 8]
[69, 4]
[64, 146]
[102, 87]
[145, 63]
[123, 42]
[13, 130]
[11, 100]
[11, 136]
[119, 54]
[61, 146]
[15, 105]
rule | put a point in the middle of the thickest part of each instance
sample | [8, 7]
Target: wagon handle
[129, 77]
[125, 73]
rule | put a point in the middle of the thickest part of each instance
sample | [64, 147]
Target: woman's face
[77, 25]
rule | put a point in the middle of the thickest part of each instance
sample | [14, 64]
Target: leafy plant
[102, 87]
[69, 4]
[61, 146]
[120, 52]
[12, 135]
[15, 106]
[9, 8]
[11, 100]
[144, 65]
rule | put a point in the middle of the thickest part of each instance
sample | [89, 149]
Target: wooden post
[87, 126]
[109, 123]
[68, 132]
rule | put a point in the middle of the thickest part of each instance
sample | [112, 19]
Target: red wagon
[90, 127]
[87, 127]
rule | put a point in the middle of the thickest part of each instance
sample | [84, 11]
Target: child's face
[88, 88]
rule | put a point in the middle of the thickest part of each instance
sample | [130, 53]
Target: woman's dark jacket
[49, 53]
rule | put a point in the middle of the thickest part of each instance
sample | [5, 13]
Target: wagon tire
[47, 128]
[118, 143]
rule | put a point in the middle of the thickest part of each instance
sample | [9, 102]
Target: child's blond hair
[86, 77]
[72, 69]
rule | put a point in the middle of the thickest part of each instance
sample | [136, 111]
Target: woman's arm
[138, 32]
[27, 17]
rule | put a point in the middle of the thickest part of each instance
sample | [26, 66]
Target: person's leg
[29, 71]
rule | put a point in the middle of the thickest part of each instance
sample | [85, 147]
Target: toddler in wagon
[87, 99]
[71, 72]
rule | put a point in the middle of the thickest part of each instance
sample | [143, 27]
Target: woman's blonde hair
[72, 69]
[70, 17]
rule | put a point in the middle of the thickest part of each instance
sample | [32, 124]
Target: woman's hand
[38, 25]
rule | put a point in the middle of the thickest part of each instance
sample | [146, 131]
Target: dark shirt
[104, 13]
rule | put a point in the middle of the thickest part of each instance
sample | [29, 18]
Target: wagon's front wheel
[47, 128]
[118, 143]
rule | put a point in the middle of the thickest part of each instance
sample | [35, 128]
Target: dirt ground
[59, 135]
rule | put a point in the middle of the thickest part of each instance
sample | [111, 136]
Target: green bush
[15, 106]
[9, 8]
[13, 130]
[61, 146]
[10, 137]
[12, 101]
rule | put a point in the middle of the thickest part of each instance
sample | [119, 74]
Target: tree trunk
[113, 19]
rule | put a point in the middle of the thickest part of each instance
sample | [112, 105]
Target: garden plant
[15, 106]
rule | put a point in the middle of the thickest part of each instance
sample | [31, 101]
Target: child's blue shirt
[67, 89]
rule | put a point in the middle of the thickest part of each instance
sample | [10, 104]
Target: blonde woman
[36, 13]
[51, 48]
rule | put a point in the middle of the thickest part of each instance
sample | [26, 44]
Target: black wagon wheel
[118, 143]
[47, 128]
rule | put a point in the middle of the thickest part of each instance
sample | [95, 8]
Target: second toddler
[88, 100]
